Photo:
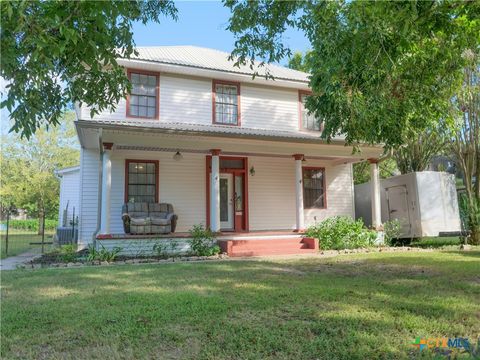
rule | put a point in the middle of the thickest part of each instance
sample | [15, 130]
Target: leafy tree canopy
[378, 69]
[27, 167]
[55, 53]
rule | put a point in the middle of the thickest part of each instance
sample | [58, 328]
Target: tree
[300, 62]
[361, 170]
[466, 139]
[55, 53]
[378, 69]
[27, 167]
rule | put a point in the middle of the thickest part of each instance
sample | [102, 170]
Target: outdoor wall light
[178, 156]
[252, 171]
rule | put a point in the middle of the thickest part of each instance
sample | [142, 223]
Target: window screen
[142, 182]
[226, 104]
[313, 188]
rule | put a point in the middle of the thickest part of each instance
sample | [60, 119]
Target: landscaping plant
[202, 241]
[342, 232]
[391, 231]
[103, 254]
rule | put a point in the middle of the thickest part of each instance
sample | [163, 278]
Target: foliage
[27, 167]
[435, 242]
[103, 254]
[165, 249]
[300, 62]
[379, 69]
[391, 230]
[419, 149]
[55, 53]
[202, 241]
[67, 253]
[31, 224]
[342, 232]
[361, 170]
[466, 144]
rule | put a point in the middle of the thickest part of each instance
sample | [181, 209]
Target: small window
[314, 195]
[143, 98]
[308, 120]
[141, 181]
[226, 103]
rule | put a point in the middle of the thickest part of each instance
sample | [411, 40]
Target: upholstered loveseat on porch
[148, 218]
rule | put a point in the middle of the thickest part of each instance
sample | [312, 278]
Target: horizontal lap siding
[139, 247]
[272, 193]
[69, 194]
[269, 108]
[182, 183]
[185, 100]
[90, 162]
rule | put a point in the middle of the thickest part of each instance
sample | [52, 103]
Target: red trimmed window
[142, 101]
[314, 190]
[307, 120]
[141, 181]
[226, 103]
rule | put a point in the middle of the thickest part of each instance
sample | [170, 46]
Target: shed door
[397, 199]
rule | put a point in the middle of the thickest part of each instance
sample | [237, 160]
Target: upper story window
[226, 103]
[314, 190]
[143, 99]
[307, 120]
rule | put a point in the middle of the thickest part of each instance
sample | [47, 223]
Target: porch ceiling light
[178, 156]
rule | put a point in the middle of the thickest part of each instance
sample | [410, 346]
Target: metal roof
[199, 129]
[205, 58]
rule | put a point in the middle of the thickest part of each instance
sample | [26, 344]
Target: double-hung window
[314, 192]
[226, 106]
[143, 99]
[141, 181]
[308, 120]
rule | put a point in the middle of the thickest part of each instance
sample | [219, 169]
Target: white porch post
[375, 191]
[300, 224]
[215, 191]
[106, 189]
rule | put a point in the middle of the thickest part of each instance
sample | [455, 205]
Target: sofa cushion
[160, 221]
[162, 207]
[138, 220]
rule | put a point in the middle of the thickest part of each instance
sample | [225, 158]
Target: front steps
[245, 246]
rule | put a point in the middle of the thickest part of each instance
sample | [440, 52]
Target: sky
[202, 23]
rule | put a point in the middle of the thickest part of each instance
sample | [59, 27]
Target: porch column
[375, 191]
[300, 224]
[215, 191]
[106, 189]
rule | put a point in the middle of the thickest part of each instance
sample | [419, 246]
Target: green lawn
[366, 306]
[19, 241]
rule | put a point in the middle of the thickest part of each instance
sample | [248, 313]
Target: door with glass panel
[226, 202]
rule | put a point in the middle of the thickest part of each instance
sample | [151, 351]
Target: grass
[19, 241]
[362, 306]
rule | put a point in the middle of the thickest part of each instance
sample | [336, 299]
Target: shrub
[31, 224]
[165, 249]
[391, 231]
[202, 241]
[103, 254]
[342, 232]
[66, 253]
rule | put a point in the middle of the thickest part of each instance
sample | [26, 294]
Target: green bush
[342, 232]
[31, 224]
[103, 254]
[202, 241]
[435, 242]
[66, 253]
[392, 231]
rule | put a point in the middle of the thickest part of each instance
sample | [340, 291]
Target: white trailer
[425, 203]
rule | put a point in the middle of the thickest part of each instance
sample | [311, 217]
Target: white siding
[89, 173]
[182, 183]
[69, 194]
[185, 100]
[269, 108]
[189, 100]
[272, 194]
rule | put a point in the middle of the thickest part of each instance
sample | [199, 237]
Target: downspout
[99, 195]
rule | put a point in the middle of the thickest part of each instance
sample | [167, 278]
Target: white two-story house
[240, 155]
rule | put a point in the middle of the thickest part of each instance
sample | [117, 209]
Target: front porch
[251, 192]
[254, 243]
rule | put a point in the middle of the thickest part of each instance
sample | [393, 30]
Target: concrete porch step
[270, 246]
